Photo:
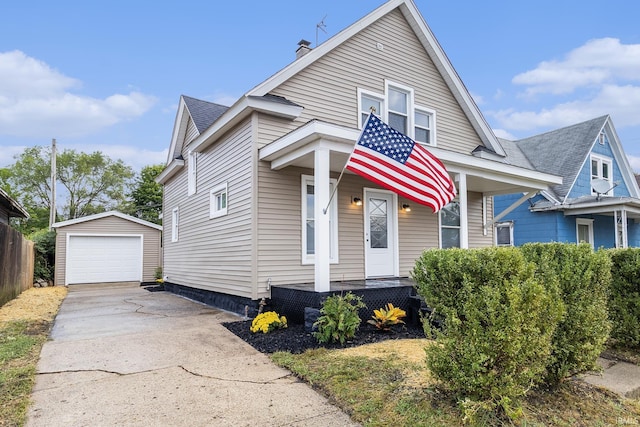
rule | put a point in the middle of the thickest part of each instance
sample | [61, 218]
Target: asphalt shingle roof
[203, 113]
[562, 151]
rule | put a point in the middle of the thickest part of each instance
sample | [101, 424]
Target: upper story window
[396, 107]
[192, 159]
[398, 110]
[218, 201]
[602, 168]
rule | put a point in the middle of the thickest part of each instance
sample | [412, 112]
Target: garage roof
[104, 215]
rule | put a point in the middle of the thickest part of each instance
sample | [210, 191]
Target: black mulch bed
[294, 339]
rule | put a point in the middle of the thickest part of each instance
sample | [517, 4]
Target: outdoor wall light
[357, 201]
[406, 208]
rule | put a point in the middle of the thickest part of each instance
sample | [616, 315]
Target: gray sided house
[246, 187]
[107, 247]
[598, 201]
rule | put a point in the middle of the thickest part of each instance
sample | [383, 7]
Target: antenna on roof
[321, 26]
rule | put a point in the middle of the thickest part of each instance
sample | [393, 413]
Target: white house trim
[106, 214]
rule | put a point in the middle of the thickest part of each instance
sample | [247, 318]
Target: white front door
[380, 233]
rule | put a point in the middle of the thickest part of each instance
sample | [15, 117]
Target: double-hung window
[308, 222]
[602, 168]
[369, 103]
[424, 125]
[450, 225]
[398, 109]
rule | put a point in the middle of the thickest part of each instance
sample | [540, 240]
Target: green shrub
[339, 319]
[624, 300]
[582, 277]
[45, 247]
[499, 320]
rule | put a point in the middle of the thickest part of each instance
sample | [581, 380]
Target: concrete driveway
[121, 355]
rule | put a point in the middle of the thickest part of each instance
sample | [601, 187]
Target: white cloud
[597, 62]
[501, 133]
[621, 102]
[37, 101]
[635, 162]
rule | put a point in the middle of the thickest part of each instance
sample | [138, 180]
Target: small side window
[218, 201]
[192, 172]
[504, 234]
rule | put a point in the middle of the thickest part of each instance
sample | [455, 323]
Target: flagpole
[324, 211]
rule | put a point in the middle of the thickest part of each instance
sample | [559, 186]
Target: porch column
[625, 240]
[322, 189]
[464, 220]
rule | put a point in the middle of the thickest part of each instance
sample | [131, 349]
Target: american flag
[396, 162]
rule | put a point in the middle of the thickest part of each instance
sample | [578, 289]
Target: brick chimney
[303, 48]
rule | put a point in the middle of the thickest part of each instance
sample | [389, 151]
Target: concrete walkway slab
[619, 377]
[121, 355]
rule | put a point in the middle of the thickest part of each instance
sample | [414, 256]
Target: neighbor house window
[192, 159]
[175, 219]
[424, 125]
[602, 168]
[218, 200]
[308, 222]
[504, 234]
[584, 231]
[450, 225]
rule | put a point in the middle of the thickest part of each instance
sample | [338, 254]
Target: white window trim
[589, 223]
[213, 194]
[369, 94]
[504, 224]
[432, 132]
[601, 160]
[175, 222]
[308, 259]
[192, 172]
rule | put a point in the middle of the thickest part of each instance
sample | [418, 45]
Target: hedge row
[514, 318]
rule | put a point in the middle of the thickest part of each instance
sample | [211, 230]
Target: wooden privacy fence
[17, 257]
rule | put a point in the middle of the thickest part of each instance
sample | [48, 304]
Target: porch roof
[592, 205]
[486, 176]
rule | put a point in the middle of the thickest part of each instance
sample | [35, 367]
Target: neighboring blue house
[598, 201]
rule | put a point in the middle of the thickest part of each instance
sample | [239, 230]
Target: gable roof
[14, 208]
[564, 152]
[203, 113]
[428, 41]
[104, 215]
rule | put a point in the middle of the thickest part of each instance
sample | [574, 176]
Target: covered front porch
[324, 148]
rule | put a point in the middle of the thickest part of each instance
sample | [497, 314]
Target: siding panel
[213, 254]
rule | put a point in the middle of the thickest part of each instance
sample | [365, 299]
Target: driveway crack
[271, 381]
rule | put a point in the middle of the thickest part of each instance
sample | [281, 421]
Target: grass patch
[24, 327]
[388, 384]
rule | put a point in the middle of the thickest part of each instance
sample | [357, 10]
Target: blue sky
[108, 75]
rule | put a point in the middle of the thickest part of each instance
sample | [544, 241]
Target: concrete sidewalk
[620, 377]
[121, 355]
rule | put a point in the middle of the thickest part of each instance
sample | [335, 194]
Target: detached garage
[107, 247]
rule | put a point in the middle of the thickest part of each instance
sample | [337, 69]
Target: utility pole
[52, 210]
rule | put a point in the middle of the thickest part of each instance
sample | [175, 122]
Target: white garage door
[96, 259]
